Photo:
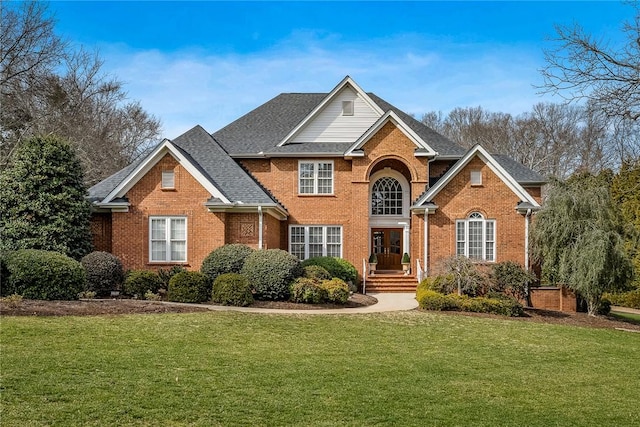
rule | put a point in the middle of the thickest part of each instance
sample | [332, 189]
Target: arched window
[476, 238]
[386, 197]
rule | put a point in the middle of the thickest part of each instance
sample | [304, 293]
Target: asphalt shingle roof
[522, 174]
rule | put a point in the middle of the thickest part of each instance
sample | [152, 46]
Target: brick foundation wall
[553, 298]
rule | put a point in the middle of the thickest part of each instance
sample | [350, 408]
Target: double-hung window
[168, 239]
[476, 238]
[315, 177]
[308, 241]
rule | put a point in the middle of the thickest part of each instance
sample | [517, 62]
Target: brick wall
[493, 199]
[205, 230]
[553, 298]
[101, 231]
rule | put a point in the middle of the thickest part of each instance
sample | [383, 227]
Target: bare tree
[50, 88]
[580, 67]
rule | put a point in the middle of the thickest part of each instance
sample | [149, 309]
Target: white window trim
[168, 239]
[324, 238]
[315, 164]
[484, 237]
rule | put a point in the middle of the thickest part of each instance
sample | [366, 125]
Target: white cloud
[415, 74]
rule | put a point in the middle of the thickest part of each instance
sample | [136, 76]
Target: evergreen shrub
[104, 272]
[225, 259]
[165, 274]
[337, 267]
[315, 272]
[189, 286]
[308, 291]
[232, 289]
[43, 275]
[138, 282]
[270, 273]
[337, 290]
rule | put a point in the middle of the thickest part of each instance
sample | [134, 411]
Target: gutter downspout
[260, 226]
[526, 239]
[426, 243]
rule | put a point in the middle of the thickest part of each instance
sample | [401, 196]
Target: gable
[163, 149]
[326, 122]
[481, 154]
[330, 125]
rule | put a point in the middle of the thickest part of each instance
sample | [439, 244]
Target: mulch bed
[130, 306]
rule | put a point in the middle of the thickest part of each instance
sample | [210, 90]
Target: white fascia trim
[346, 81]
[493, 165]
[152, 159]
[274, 210]
[392, 117]
[111, 207]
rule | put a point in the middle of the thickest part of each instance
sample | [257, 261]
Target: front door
[387, 245]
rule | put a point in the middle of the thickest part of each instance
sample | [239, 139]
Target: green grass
[404, 369]
[628, 317]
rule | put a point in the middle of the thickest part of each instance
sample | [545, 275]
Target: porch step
[391, 283]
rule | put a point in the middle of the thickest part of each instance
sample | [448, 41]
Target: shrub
[104, 272]
[308, 291]
[337, 267]
[232, 289]
[44, 275]
[337, 290]
[445, 284]
[138, 282]
[629, 299]
[511, 277]
[433, 300]
[12, 301]
[315, 272]
[604, 307]
[87, 295]
[270, 272]
[4, 273]
[467, 278]
[225, 259]
[165, 275]
[189, 286]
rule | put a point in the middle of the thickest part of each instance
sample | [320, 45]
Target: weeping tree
[578, 238]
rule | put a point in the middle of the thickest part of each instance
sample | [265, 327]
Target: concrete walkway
[386, 302]
[624, 310]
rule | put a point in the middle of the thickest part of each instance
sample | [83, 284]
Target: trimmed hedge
[503, 305]
[308, 291]
[270, 272]
[337, 290]
[139, 282]
[225, 259]
[104, 272]
[232, 289]
[629, 299]
[337, 267]
[43, 275]
[315, 272]
[189, 286]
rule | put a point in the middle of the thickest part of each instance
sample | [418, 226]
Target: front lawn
[224, 368]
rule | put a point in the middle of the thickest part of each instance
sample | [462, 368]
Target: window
[476, 177]
[168, 180]
[168, 239]
[315, 177]
[315, 240]
[347, 108]
[386, 197]
[476, 238]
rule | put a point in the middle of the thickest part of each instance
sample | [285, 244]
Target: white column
[426, 242]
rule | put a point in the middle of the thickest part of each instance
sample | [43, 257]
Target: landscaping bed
[132, 306]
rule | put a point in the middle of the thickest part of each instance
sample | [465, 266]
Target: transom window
[315, 177]
[309, 241]
[386, 197]
[168, 239]
[476, 238]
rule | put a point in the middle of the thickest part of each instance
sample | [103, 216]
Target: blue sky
[208, 63]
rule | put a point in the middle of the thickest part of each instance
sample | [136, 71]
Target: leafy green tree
[578, 239]
[43, 200]
[625, 190]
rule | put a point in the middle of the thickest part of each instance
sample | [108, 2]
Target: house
[342, 173]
